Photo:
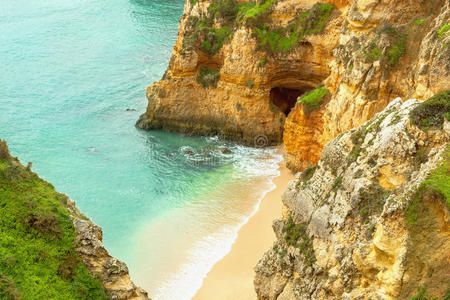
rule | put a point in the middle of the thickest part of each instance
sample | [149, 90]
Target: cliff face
[371, 220]
[238, 67]
[112, 272]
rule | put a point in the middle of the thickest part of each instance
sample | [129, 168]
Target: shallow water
[72, 84]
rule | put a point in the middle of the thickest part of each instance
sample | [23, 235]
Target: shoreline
[236, 268]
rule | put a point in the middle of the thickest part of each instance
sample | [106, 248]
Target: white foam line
[188, 280]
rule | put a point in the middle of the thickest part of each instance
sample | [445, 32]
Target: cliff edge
[48, 249]
[372, 219]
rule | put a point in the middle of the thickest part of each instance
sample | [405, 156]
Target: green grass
[437, 183]
[37, 257]
[262, 62]
[252, 10]
[203, 33]
[372, 51]
[394, 52]
[439, 179]
[295, 235]
[442, 32]
[208, 77]
[432, 112]
[313, 99]
[398, 49]
[284, 39]
[418, 22]
[371, 201]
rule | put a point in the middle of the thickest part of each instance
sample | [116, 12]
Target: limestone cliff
[112, 272]
[238, 68]
[372, 219]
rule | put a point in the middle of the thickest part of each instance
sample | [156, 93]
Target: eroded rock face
[240, 106]
[386, 49]
[360, 225]
[112, 273]
[368, 53]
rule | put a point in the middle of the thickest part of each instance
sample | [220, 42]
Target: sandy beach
[232, 277]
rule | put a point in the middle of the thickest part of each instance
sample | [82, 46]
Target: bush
[284, 39]
[371, 201]
[295, 235]
[313, 99]
[443, 31]
[4, 151]
[208, 77]
[432, 112]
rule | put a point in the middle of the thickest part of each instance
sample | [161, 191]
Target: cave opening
[286, 98]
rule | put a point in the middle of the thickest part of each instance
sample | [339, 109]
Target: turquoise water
[72, 84]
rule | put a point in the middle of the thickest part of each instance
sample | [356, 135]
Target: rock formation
[372, 219]
[112, 272]
[238, 67]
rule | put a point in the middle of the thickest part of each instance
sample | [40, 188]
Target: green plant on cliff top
[284, 39]
[208, 77]
[252, 10]
[313, 99]
[441, 33]
[432, 112]
[37, 256]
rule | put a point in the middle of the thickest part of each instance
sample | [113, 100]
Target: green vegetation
[441, 33]
[37, 257]
[204, 34]
[208, 77]
[436, 184]
[418, 22]
[284, 39]
[250, 83]
[252, 10]
[262, 62]
[308, 173]
[295, 235]
[422, 294]
[313, 99]
[372, 51]
[393, 53]
[193, 2]
[432, 112]
[371, 201]
[439, 179]
[337, 184]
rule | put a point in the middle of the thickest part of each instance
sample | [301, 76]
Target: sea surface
[72, 84]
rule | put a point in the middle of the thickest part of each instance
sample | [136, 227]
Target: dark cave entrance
[286, 98]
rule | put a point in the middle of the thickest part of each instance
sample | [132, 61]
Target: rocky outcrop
[255, 85]
[112, 273]
[372, 219]
[257, 62]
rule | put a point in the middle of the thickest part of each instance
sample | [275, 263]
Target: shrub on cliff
[208, 77]
[36, 238]
[432, 112]
[313, 99]
[4, 151]
[284, 39]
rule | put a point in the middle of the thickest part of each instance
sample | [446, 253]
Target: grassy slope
[37, 257]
